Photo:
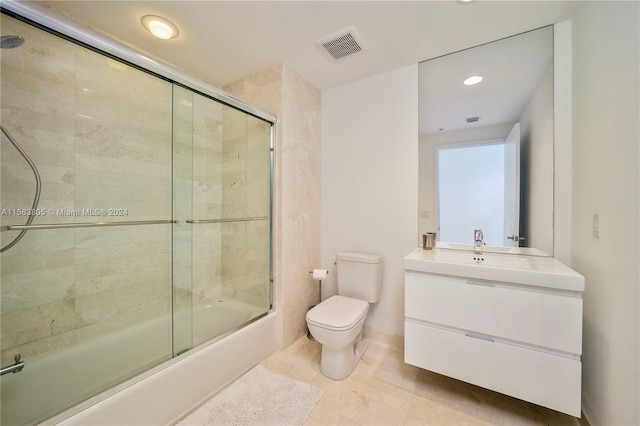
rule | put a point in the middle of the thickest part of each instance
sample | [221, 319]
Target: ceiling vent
[472, 119]
[342, 44]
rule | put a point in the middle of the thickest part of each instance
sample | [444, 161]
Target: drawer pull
[480, 283]
[479, 337]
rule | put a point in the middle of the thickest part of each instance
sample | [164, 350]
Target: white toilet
[337, 322]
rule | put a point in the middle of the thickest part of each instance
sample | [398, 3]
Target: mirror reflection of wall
[517, 87]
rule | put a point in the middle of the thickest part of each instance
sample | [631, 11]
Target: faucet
[477, 241]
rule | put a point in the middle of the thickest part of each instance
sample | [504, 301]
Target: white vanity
[509, 323]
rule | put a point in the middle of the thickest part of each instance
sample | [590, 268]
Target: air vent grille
[472, 119]
[342, 44]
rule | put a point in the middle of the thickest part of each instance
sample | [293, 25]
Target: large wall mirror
[486, 149]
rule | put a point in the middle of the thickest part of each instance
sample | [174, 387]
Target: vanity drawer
[522, 314]
[541, 378]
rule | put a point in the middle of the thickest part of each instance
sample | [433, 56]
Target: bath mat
[260, 397]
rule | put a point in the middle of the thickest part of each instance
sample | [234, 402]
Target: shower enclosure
[143, 208]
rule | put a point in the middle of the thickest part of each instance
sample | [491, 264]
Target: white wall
[537, 140]
[606, 41]
[369, 132]
[370, 181]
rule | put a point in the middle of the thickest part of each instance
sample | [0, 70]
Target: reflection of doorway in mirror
[478, 188]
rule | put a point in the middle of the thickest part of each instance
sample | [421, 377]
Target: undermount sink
[528, 270]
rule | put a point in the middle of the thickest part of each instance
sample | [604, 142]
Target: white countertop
[536, 271]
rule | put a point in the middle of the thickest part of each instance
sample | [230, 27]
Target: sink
[536, 271]
[486, 259]
[493, 249]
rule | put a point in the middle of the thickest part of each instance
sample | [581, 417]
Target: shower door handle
[235, 219]
[15, 368]
[83, 225]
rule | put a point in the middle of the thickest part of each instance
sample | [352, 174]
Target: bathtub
[159, 394]
[219, 316]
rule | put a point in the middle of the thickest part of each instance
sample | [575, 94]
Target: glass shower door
[86, 306]
[151, 233]
[228, 216]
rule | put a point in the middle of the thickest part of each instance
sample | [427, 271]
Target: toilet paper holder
[319, 274]
[320, 284]
[309, 336]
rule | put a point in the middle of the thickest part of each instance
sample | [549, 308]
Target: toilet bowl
[337, 324]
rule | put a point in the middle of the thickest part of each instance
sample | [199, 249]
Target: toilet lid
[338, 313]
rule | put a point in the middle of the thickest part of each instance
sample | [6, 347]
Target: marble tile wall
[207, 197]
[99, 134]
[296, 103]
[246, 193]
[222, 161]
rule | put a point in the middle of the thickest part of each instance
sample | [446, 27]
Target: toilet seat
[338, 313]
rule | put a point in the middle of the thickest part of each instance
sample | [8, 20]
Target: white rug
[260, 397]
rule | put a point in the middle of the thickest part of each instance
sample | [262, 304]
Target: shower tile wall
[221, 161]
[245, 192]
[207, 198]
[98, 132]
[296, 103]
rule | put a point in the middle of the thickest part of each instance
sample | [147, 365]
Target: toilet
[337, 323]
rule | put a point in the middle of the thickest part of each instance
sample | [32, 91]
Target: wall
[64, 287]
[244, 192]
[606, 157]
[370, 181]
[605, 160]
[281, 91]
[536, 124]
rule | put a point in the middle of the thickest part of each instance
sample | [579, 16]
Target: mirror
[486, 149]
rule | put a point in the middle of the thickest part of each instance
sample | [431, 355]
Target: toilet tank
[359, 276]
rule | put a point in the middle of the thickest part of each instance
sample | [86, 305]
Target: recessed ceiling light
[473, 80]
[160, 27]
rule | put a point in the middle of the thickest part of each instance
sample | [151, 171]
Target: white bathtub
[219, 316]
[160, 395]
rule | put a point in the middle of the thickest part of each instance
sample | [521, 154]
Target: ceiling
[223, 41]
[512, 70]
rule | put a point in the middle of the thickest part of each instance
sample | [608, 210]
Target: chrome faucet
[477, 241]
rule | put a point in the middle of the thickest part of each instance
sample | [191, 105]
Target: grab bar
[15, 368]
[237, 219]
[83, 225]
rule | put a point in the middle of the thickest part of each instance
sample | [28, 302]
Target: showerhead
[11, 41]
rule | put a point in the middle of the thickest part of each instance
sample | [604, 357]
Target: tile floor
[384, 390]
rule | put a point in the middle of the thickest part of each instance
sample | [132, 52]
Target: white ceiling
[512, 70]
[223, 41]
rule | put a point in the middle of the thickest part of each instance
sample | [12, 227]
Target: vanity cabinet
[518, 339]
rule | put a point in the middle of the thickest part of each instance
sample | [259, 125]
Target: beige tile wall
[281, 91]
[101, 135]
[207, 197]
[246, 193]
[222, 172]
[98, 132]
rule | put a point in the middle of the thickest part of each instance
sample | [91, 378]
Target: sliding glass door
[135, 226]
